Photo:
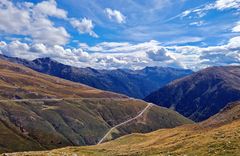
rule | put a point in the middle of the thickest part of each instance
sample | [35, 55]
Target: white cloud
[115, 15]
[197, 11]
[84, 26]
[234, 43]
[184, 40]
[32, 20]
[19, 18]
[202, 10]
[236, 28]
[15, 49]
[43, 31]
[49, 8]
[33, 51]
[198, 23]
[227, 4]
[109, 55]
[159, 54]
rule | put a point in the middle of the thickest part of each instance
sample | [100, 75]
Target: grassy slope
[47, 125]
[77, 122]
[217, 136]
[17, 81]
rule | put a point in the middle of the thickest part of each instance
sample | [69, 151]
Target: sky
[110, 34]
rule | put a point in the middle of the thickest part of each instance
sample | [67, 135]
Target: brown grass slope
[39, 125]
[217, 136]
[17, 81]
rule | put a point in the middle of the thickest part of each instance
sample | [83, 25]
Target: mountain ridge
[202, 94]
[133, 83]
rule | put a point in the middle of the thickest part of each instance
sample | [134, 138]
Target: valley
[42, 112]
[119, 78]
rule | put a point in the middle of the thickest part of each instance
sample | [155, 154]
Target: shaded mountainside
[228, 114]
[201, 94]
[39, 112]
[134, 83]
[221, 138]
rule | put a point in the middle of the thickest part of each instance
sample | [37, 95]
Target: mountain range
[133, 83]
[40, 112]
[202, 94]
[67, 113]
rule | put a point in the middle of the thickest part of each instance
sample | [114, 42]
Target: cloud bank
[110, 55]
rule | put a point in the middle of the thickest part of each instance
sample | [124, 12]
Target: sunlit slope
[203, 139]
[17, 81]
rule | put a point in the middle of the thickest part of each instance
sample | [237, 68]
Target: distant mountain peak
[45, 60]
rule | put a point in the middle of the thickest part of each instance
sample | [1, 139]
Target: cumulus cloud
[33, 51]
[84, 26]
[233, 43]
[115, 15]
[19, 18]
[159, 55]
[33, 21]
[49, 8]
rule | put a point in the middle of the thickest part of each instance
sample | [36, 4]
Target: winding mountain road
[61, 99]
[125, 122]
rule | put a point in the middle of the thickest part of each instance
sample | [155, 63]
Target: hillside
[40, 112]
[133, 83]
[184, 140]
[229, 113]
[201, 94]
[18, 82]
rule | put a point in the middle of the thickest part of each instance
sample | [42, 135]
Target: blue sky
[147, 20]
[123, 34]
